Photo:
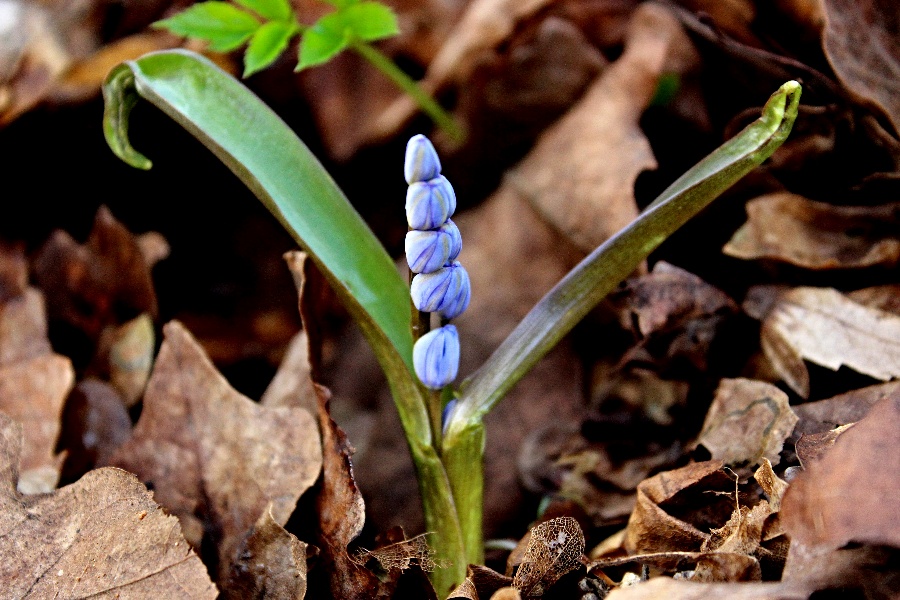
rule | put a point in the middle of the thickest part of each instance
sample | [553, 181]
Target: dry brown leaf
[102, 537]
[23, 328]
[13, 271]
[825, 327]
[850, 494]
[131, 357]
[271, 564]
[341, 512]
[813, 446]
[789, 228]
[292, 384]
[95, 424]
[103, 282]
[555, 548]
[580, 176]
[651, 529]
[862, 43]
[214, 456]
[33, 393]
[825, 415]
[748, 421]
[481, 582]
[773, 486]
[507, 593]
[882, 297]
[676, 589]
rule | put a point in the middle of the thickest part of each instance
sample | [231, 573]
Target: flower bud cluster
[441, 284]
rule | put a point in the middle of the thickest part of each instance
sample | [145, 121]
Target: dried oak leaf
[747, 422]
[825, 327]
[580, 176]
[789, 228]
[813, 446]
[271, 564]
[103, 282]
[102, 537]
[825, 415]
[862, 42]
[13, 271]
[850, 494]
[292, 384]
[215, 458]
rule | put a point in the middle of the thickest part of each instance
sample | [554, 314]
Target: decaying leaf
[849, 495]
[481, 582]
[773, 486]
[13, 272]
[271, 564]
[748, 421]
[23, 327]
[789, 228]
[651, 528]
[341, 512]
[106, 281]
[813, 446]
[400, 555]
[131, 357]
[555, 548]
[825, 327]
[95, 423]
[101, 537]
[292, 384]
[860, 42]
[598, 143]
[825, 415]
[215, 458]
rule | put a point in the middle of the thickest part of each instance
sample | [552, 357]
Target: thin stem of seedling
[428, 104]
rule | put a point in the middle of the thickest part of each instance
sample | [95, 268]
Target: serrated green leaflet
[267, 44]
[276, 10]
[223, 25]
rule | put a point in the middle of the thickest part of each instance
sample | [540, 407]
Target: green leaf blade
[267, 44]
[269, 158]
[370, 21]
[321, 42]
[223, 25]
[275, 10]
[601, 271]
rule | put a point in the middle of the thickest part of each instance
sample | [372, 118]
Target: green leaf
[267, 44]
[601, 271]
[272, 161]
[274, 10]
[225, 26]
[322, 41]
[370, 21]
[363, 21]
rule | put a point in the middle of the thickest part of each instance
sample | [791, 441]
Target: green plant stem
[434, 411]
[428, 104]
[463, 460]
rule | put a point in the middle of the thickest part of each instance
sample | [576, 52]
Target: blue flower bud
[446, 291]
[427, 251]
[429, 203]
[421, 162]
[436, 357]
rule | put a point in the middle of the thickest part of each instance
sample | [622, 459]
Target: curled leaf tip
[120, 96]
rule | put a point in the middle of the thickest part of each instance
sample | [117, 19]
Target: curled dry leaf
[23, 328]
[213, 456]
[292, 384]
[131, 357]
[825, 415]
[789, 228]
[651, 529]
[555, 548]
[101, 537]
[342, 515]
[850, 494]
[812, 446]
[580, 176]
[270, 565]
[481, 582]
[825, 327]
[861, 43]
[103, 282]
[747, 422]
